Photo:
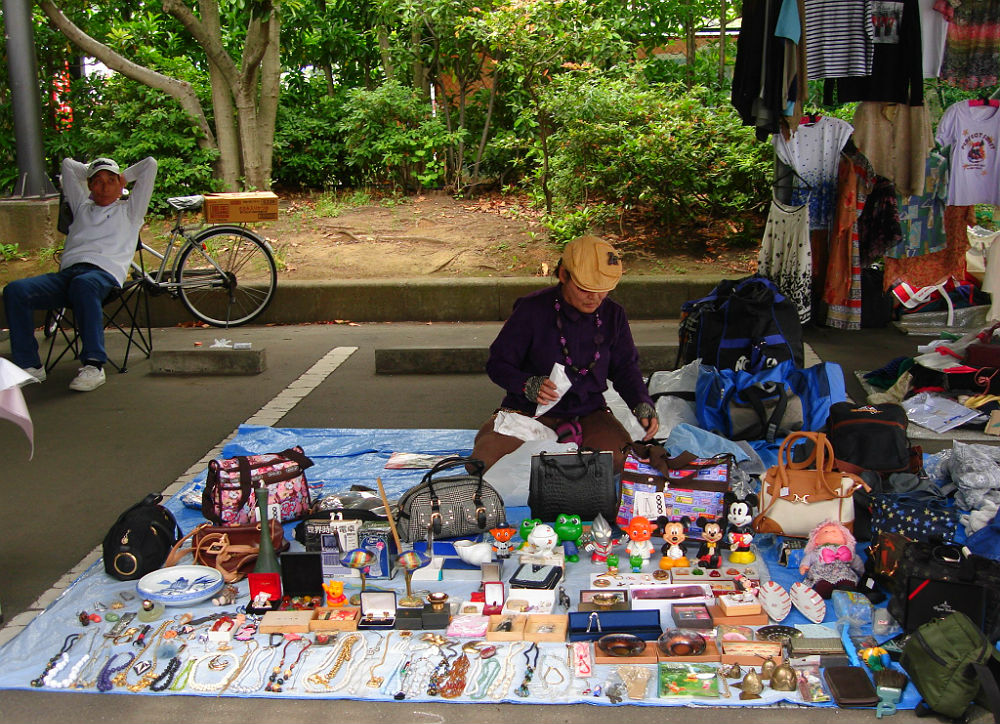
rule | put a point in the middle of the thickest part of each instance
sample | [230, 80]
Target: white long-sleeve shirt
[105, 236]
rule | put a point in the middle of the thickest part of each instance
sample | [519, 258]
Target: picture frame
[587, 594]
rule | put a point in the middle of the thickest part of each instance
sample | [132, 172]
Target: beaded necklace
[252, 647]
[261, 664]
[598, 340]
[278, 677]
[529, 670]
[454, 684]
[413, 678]
[490, 669]
[68, 681]
[216, 662]
[57, 662]
[181, 679]
[104, 678]
[501, 686]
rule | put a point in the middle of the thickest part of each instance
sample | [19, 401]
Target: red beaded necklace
[598, 339]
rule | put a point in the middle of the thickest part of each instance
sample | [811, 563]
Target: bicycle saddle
[186, 203]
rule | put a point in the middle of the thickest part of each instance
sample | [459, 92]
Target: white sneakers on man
[87, 379]
[37, 372]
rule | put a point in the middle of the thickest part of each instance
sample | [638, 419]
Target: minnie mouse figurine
[829, 561]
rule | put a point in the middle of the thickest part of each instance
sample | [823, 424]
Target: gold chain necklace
[375, 682]
[318, 679]
[120, 679]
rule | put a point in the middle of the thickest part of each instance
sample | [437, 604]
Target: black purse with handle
[580, 483]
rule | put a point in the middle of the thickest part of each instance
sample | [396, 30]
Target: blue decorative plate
[180, 585]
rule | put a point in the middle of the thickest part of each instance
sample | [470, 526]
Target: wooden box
[516, 632]
[230, 208]
[648, 656]
[733, 606]
[719, 616]
[750, 653]
[285, 622]
[537, 621]
[335, 619]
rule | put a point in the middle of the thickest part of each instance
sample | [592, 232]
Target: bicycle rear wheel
[243, 288]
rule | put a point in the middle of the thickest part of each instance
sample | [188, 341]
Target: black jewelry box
[434, 620]
[590, 626]
[409, 618]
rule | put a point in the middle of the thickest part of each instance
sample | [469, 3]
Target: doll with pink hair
[830, 561]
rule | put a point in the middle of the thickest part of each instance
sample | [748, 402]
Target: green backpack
[952, 664]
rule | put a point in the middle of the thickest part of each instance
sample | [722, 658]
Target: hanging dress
[842, 290]
[785, 255]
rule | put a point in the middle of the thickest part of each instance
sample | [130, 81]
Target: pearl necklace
[490, 671]
[261, 664]
[58, 662]
[502, 685]
[216, 662]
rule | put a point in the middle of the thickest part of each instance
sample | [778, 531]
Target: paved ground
[97, 453]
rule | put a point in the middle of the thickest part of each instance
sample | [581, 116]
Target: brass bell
[784, 678]
[732, 672]
[751, 685]
[767, 668]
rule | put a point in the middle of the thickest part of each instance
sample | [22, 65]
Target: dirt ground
[439, 235]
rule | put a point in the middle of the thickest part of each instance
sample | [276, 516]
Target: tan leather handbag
[795, 497]
[232, 550]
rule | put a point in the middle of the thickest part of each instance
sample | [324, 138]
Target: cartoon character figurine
[526, 527]
[712, 534]
[639, 549]
[335, 597]
[601, 543]
[542, 540]
[569, 528]
[829, 560]
[674, 535]
[501, 541]
[737, 516]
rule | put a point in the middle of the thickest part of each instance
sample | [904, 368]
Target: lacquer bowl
[621, 645]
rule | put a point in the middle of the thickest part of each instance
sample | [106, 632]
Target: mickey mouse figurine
[711, 535]
[674, 534]
[737, 516]
[639, 531]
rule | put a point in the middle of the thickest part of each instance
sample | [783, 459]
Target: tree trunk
[383, 48]
[419, 70]
[486, 129]
[228, 168]
[270, 91]
[722, 43]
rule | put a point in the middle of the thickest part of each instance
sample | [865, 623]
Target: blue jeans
[82, 287]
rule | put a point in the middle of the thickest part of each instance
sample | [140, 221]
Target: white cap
[102, 164]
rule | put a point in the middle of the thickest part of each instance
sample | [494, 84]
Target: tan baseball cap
[593, 263]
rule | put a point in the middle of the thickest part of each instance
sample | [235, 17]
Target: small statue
[737, 517]
[335, 597]
[601, 543]
[829, 561]
[712, 534]
[674, 534]
[639, 531]
[501, 541]
[226, 596]
[542, 540]
[527, 525]
[569, 528]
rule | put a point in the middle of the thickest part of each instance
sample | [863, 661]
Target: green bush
[308, 148]
[392, 138]
[622, 139]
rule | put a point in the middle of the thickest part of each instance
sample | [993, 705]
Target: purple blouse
[528, 346]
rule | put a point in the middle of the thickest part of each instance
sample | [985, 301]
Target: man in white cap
[576, 325]
[95, 260]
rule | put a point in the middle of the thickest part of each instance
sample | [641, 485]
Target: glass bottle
[265, 580]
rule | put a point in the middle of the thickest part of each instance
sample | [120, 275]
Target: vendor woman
[576, 325]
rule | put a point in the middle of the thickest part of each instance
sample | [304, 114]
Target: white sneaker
[37, 372]
[87, 379]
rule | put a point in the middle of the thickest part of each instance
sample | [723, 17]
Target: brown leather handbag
[795, 497]
[232, 550]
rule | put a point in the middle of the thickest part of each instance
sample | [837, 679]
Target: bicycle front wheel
[227, 277]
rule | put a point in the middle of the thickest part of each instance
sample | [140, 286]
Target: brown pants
[601, 431]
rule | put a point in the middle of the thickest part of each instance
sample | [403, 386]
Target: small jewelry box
[378, 609]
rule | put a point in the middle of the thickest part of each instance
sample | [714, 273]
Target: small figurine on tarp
[737, 519]
[569, 528]
[501, 541]
[542, 540]
[601, 543]
[674, 535]
[334, 594]
[830, 561]
[712, 534]
[639, 549]
[527, 525]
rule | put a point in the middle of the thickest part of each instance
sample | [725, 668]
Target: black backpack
[744, 324]
[139, 541]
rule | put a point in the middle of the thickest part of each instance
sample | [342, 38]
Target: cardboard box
[232, 208]
[537, 627]
[719, 617]
[335, 619]
[377, 537]
[516, 632]
[285, 622]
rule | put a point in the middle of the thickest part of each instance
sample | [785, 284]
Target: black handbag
[453, 507]
[139, 541]
[580, 483]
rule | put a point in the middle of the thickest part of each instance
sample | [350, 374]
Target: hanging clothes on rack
[971, 60]
[878, 226]
[921, 216]
[814, 152]
[929, 269]
[972, 129]
[842, 289]
[896, 139]
[839, 38]
[785, 255]
[933, 35]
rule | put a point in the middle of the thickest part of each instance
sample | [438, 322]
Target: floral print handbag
[229, 498]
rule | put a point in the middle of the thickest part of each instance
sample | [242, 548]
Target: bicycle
[225, 274]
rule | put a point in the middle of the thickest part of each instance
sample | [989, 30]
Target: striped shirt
[839, 38]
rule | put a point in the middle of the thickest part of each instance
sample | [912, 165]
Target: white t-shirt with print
[973, 133]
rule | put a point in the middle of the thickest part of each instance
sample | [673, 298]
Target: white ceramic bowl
[180, 585]
[473, 553]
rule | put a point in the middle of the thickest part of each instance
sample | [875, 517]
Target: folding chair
[125, 309]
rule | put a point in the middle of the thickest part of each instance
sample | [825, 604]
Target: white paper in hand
[561, 380]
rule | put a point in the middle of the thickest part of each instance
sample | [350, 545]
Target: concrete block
[29, 222]
[207, 361]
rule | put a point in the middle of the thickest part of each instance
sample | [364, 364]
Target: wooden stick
[388, 512]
